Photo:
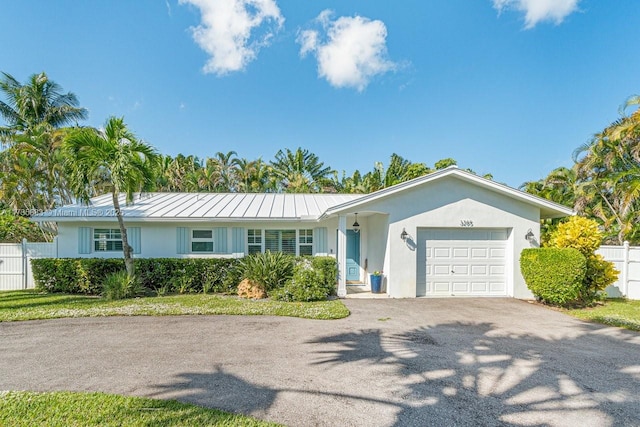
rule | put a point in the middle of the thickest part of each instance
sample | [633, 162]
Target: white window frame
[251, 234]
[106, 239]
[305, 239]
[280, 232]
[201, 240]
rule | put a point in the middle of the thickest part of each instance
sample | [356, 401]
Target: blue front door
[353, 256]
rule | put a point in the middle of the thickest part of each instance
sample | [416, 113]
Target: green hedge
[554, 275]
[186, 275]
[160, 275]
[86, 275]
[73, 275]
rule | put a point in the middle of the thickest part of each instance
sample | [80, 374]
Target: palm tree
[608, 172]
[300, 171]
[35, 113]
[112, 159]
[253, 176]
[38, 102]
[224, 168]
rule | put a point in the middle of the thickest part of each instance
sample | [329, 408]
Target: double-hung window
[107, 239]
[201, 240]
[254, 241]
[305, 242]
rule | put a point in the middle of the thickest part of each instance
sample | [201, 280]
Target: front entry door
[353, 256]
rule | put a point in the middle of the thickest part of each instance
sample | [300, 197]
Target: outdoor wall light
[404, 234]
[529, 236]
[356, 226]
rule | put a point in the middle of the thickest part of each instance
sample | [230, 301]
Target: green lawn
[31, 305]
[21, 408]
[615, 312]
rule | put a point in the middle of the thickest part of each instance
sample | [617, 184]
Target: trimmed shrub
[271, 270]
[120, 285]
[73, 275]
[308, 283]
[169, 275]
[584, 235]
[554, 275]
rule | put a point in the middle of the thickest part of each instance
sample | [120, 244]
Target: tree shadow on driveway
[475, 374]
[454, 373]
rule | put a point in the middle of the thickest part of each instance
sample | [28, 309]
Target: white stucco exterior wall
[444, 204]
[159, 239]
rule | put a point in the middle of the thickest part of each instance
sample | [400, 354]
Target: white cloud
[227, 31]
[539, 10]
[353, 51]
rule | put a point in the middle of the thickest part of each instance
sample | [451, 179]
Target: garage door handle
[452, 271]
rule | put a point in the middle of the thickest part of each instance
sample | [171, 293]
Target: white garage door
[461, 262]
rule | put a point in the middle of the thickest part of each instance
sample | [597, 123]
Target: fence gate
[15, 263]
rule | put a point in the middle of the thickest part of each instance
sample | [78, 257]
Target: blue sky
[507, 87]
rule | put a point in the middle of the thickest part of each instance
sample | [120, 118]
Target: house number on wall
[466, 223]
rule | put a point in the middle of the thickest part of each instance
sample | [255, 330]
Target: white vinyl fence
[15, 263]
[627, 261]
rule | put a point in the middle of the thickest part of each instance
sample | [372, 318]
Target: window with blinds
[107, 239]
[280, 241]
[288, 241]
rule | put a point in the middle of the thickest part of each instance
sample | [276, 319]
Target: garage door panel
[440, 270]
[458, 262]
[497, 287]
[479, 253]
[496, 270]
[441, 287]
[460, 287]
[441, 253]
[480, 287]
[460, 253]
[479, 270]
[497, 253]
[460, 269]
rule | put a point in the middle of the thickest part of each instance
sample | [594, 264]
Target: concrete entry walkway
[363, 291]
[392, 362]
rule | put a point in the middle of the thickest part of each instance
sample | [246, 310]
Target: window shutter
[320, 241]
[182, 243]
[238, 236]
[133, 235]
[85, 240]
[220, 240]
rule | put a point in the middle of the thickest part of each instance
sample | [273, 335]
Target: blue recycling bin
[376, 284]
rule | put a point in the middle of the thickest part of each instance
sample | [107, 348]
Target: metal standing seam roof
[203, 206]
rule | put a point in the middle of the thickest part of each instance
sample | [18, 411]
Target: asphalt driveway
[392, 362]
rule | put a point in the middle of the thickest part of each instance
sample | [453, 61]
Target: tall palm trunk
[126, 249]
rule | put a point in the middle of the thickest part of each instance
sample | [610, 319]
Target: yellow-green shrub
[584, 235]
[578, 233]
